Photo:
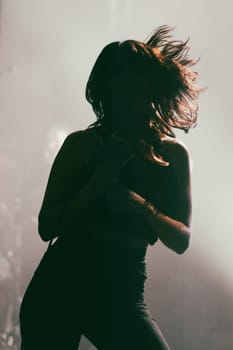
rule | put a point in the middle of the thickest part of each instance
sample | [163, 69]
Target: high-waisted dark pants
[58, 308]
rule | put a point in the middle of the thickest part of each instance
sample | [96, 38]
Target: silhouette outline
[114, 188]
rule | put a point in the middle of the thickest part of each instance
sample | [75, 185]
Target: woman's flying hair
[166, 64]
[175, 99]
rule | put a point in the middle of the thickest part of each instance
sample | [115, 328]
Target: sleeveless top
[119, 265]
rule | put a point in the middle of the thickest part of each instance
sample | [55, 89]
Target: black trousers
[57, 309]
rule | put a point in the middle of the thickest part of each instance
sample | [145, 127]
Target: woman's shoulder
[86, 138]
[175, 150]
[79, 146]
[174, 145]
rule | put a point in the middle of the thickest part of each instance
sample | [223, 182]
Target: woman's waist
[107, 236]
[122, 236]
[103, 240]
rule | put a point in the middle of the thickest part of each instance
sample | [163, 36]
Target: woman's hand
[129, 216]
[121, 199]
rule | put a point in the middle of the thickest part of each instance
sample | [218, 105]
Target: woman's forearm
[79, 205]
[62, 217]
[173, 233]
[56, 218]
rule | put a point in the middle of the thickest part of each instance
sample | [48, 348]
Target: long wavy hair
[172, 101]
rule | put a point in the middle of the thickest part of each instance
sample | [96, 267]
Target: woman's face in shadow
[127, 99]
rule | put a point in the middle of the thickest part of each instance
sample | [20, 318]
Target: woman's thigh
[119, 328]
[49, 319]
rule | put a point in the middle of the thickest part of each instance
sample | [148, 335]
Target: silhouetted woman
[115, 187]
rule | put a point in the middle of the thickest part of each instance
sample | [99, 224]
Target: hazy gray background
[47, 49]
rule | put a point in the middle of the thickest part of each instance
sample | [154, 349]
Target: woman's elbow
[45, 230]
[184, 241]
[44, 234]
[49, 222]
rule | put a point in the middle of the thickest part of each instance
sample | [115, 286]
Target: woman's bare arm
[63, 183]
[174, 230]
[66, 200]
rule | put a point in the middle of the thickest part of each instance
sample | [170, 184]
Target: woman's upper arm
[180, 163]
[61, 183]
